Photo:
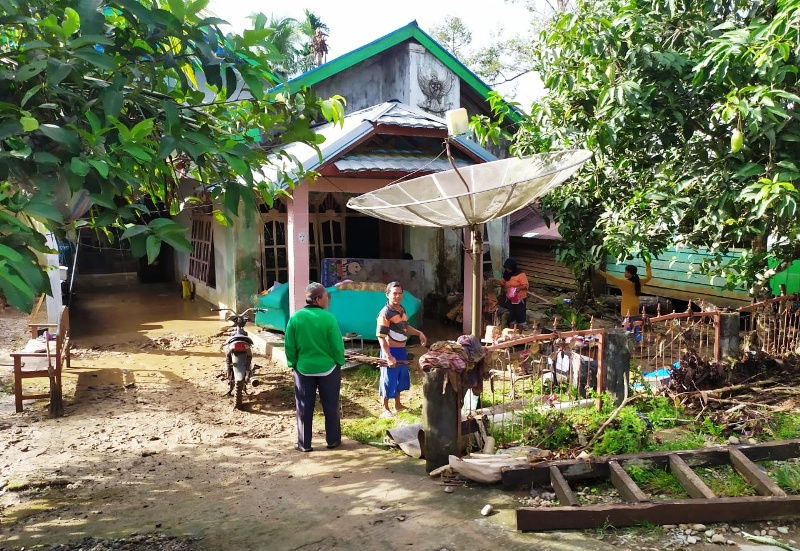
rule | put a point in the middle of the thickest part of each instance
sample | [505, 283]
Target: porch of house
[122, 311]
[436, 328]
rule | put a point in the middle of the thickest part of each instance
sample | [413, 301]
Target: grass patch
[367, 430]
[644, 530]
[787, 476]
[656, 482]
[784, 426]
[690, 441]
[725, 482]
[361, 405]
[630, 431]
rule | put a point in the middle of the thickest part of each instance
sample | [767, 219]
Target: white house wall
[395, 75]
[369, 83]
[442, 249]
[227, 241]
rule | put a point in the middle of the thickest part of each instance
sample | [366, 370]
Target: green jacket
[313, 341]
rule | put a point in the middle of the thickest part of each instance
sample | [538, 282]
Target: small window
[201, 261]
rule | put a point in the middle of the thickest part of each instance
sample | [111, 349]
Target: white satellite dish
[470, 197]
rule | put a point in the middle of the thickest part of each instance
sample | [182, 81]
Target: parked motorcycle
[238, 350]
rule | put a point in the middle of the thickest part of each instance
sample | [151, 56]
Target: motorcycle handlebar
[242, 314]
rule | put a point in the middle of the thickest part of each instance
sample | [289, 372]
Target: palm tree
[315, 48]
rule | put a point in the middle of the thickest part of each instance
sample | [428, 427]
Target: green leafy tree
[505, 60]
[454, 35]
[289, 41]
[107, 106]
[691, 110]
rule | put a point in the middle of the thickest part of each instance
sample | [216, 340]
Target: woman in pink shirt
[515, 283]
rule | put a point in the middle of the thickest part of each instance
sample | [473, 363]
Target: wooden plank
[539, 264]
[759, 480]
[725, 509]
[624, 484]
[671, 279]
[34, 317]
[562, 489]
[692, 483]
[579, 469]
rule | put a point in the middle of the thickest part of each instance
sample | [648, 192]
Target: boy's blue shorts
[394, 379]
[636, 329]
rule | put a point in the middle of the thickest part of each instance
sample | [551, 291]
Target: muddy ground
[149, 445]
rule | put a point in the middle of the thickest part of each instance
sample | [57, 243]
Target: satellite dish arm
[453, 164]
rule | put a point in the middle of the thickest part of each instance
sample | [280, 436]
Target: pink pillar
[298, 248]
[466, 322]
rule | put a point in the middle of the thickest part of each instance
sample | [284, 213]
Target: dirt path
[149, 445]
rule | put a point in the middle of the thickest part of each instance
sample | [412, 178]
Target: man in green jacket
[315, 352]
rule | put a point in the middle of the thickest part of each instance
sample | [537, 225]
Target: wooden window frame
[201, 259]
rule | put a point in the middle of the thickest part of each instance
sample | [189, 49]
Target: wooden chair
[43, 359]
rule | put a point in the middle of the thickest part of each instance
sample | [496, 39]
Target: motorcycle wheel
[239, 392]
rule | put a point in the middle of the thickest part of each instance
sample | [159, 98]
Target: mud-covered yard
[148, 444]
[150, 455]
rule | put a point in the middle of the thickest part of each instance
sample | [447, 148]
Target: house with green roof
[398, 89]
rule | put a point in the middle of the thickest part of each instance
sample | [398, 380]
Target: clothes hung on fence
[464, 361]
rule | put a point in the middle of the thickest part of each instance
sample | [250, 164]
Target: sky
[354, 23]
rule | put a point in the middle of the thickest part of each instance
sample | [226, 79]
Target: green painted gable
[409, 32]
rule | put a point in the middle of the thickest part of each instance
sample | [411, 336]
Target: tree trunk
[56, 400]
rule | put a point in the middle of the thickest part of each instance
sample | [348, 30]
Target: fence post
[440, 417]
[726, 347]
[617, 363]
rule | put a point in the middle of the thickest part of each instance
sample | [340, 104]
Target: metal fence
[772, 326]
[661, 341]
[542, 370]
[563, 369]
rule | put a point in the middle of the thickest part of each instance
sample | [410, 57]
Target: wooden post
[440, 417]
[727, 342]
[617, 363]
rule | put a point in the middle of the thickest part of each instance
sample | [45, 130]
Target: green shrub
[661, 411]
[569, 316]
[551, 429]
[784, 426]
[628, 433]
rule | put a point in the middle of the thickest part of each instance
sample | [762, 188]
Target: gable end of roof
[410, 31]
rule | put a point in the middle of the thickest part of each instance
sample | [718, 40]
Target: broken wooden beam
[597, 467]
[723, 509]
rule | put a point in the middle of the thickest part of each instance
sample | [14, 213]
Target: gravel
[135, 542]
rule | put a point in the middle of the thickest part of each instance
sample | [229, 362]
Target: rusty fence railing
[562, 369]
[549, 370]
[772, 326]
[660, 342]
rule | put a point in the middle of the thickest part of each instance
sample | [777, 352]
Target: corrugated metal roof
[386, 161]
[396, 113]
[529, 222]
[360, 124]
[402, 115]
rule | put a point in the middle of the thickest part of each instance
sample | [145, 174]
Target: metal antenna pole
[477, 279]
[477, 257]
